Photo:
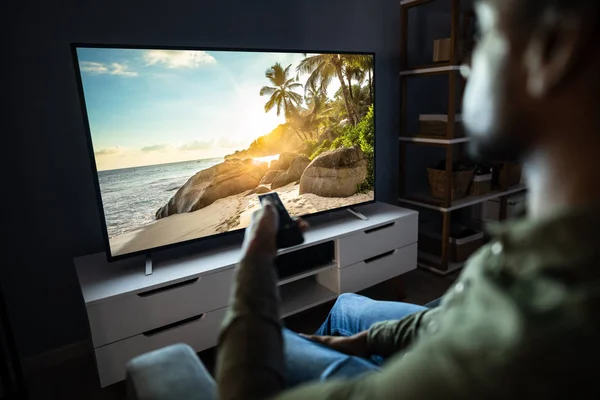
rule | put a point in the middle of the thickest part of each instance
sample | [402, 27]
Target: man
[524, 319]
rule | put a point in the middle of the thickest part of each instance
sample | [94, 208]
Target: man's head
[536, 67]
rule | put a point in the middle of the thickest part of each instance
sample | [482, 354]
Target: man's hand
[260, 241]
[356, 345]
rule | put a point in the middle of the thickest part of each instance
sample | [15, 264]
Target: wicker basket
[438, 183]
[482, 184]
[437, 126]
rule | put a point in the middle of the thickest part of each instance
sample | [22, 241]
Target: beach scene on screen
[185, 141]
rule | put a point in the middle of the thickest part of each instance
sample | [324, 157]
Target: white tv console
[185, 299]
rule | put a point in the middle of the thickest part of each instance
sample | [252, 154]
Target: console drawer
[115, 319]
[372, 242]
[378, 269]
[200, 333]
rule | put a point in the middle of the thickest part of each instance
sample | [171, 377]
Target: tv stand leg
[148, 265]
[357, 214]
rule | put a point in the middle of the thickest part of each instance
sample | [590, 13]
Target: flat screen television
[183, 140]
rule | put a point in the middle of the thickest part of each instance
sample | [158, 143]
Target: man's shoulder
[518, 304]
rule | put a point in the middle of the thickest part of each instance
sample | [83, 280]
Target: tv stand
[148, 264]
[184, 300]
[357, 214]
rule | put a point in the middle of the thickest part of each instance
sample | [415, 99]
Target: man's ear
[553, 49]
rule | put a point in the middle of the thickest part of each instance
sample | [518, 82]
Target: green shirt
[521, 322]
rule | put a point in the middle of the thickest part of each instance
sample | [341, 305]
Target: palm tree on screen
[362, 99]
[281, 90]
[359, 64]
[323, 68]
[354, 73]
[314, 92]
[317, 112]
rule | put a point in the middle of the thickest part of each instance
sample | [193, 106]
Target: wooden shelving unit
[442, 142]
[430, 70]
[452, 143]
[434, 264]
[426, 201]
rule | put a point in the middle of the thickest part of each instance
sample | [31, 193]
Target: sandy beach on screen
[231, 213]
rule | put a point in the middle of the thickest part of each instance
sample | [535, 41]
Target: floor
[77, 379]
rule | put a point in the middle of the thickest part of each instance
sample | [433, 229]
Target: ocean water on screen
[132, 196]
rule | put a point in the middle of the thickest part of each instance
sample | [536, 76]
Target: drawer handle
[372, 259]
[174, 325]
[170, 287]
[380, 228]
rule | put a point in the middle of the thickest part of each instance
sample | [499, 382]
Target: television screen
[184, 141]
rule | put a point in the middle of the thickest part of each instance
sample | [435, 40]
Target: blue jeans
[308, 361]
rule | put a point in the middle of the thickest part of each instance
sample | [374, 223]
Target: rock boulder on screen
[222, 180]
[293, 173]
[284, 162]
[259, 190]
[335, 173]
[270, 177]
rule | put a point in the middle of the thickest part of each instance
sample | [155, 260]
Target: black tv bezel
[100, 204]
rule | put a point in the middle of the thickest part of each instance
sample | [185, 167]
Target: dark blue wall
[51, 215]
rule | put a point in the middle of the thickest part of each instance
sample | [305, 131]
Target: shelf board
[434, 141]
[426, 201]
[301, 295]
[430, 70]
[429, 262]
[407, 2]
[306, 274]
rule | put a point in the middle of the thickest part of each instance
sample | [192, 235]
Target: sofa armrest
[171, 373]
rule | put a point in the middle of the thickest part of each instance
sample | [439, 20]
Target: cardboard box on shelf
[437, 125]
[482, 184]
[442, 50]
[463, 241]
[490, 210]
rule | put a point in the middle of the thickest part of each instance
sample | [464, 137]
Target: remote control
[288, 234]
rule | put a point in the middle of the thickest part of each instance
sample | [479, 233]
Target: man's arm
[250, 361]
[390, 337]
[432, 369]
[384, 338]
